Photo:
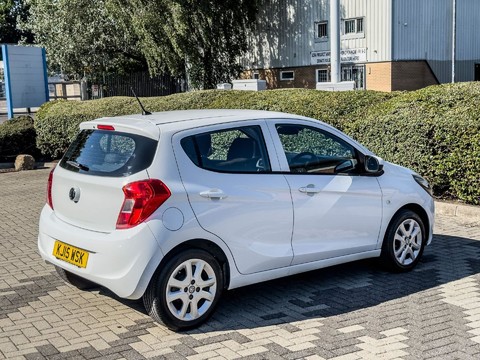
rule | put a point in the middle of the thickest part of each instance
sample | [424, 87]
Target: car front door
[337, 207]
[235, 193]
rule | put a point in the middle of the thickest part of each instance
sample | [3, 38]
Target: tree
[203, 38]
[82, 37]
[12, 11]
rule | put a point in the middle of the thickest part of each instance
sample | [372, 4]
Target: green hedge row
[435, 131]
[17, 136]
[57, 122]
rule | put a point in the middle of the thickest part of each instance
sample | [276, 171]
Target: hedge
[435, 131]
[57, 122]
[17, 136]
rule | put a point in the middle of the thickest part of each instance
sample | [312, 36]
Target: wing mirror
[373, 164]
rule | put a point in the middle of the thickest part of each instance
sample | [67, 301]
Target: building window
[360, 25]
[354, 73]
[323, 75]
[287, 75]
[321, 30]
[353, 26]
[255, 75]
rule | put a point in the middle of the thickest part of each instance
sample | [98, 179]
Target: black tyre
[74, 280]
[183, 293]
[404, 242]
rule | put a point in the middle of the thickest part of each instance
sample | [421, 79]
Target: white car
[177, 207]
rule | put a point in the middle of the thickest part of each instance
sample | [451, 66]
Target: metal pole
[454, 37]
[335, 41]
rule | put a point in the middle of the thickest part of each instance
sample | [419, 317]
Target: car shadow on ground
[340, 289]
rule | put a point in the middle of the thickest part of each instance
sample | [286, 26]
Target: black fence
[142, 84]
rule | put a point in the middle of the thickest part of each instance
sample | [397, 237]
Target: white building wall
[378, 30]
[394, 30]
[285, 33]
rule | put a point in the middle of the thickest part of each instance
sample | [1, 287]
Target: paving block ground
[348, 312]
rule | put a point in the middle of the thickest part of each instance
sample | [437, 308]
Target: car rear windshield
[109, 153]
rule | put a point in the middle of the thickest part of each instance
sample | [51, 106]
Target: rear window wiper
[78, 165]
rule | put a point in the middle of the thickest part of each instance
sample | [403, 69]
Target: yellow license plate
[70, 254]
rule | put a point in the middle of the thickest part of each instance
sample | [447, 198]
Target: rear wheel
[74, 280]
[404, 242]
[184, 293]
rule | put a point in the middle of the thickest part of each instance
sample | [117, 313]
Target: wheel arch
[420, 211]
[202, 244]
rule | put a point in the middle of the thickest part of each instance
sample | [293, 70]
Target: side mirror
[373, 164]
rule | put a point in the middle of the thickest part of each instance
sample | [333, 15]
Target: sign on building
[346, 56]
[25, 73]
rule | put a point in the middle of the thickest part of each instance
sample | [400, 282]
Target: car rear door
[228, 174]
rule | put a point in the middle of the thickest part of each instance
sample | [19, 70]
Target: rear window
[108, 153]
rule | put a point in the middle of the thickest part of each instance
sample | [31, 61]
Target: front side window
[311, 150]
[237, 150]
[109, 153]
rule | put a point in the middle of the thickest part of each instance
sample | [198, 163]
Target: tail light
[49, 189]
[142, 198]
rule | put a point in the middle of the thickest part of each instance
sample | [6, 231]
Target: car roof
[203, 116]
[178, 120]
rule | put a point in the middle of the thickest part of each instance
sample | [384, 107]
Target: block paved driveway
[354, 311]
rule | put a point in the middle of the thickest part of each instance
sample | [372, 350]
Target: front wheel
[184, 293]
[404, 242]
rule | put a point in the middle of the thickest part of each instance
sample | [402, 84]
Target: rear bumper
[122, 261]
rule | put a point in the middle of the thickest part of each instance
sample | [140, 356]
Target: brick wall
[304, 77]
[384, 76]
[399, 75]
[379, 76]
[412, 75]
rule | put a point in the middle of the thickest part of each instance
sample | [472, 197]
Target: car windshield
[109, 153]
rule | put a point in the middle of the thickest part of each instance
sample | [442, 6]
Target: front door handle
[213, 194]
[309, 189]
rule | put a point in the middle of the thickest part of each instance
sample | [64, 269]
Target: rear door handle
[213, 194]
[310, 189]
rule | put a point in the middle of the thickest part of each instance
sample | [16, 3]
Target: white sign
[346, 56]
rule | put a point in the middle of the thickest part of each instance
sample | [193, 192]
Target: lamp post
[335, 40]
[454, 37]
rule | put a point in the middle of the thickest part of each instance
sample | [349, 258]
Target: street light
[454, 37]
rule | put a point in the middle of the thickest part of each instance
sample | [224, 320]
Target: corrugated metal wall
[378, 31]
[394, 30]
[284, 35]
[423, 30]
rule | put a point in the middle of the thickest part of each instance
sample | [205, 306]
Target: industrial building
[385, 45]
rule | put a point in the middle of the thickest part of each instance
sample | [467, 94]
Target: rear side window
[108, 153]
[237, 150]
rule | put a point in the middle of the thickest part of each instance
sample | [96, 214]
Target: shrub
[435, 131]
[57, 122]
[17, 136]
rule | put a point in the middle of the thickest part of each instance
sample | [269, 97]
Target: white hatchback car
[176, 207]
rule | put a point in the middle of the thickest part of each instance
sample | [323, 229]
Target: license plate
[70, 254]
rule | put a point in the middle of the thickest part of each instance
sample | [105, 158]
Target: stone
[24, 162]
